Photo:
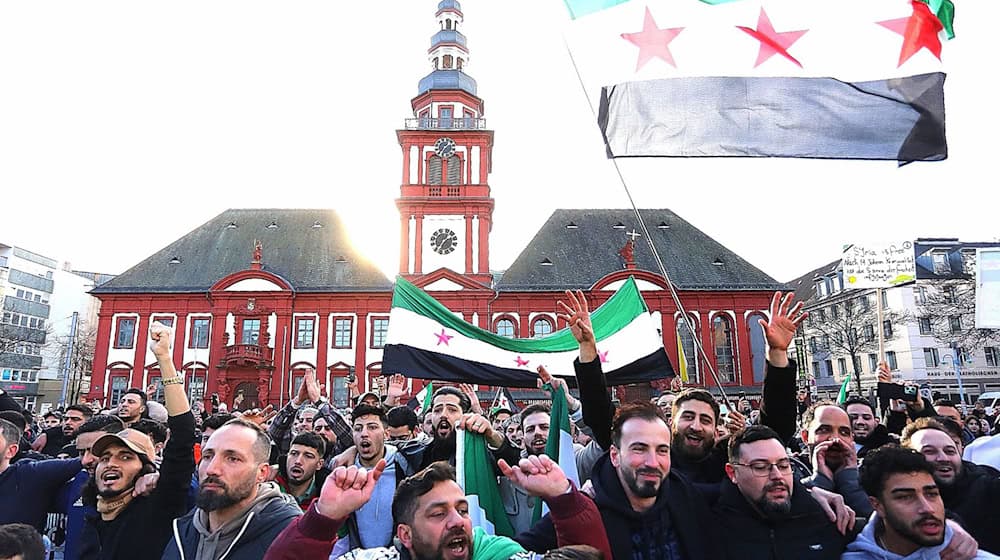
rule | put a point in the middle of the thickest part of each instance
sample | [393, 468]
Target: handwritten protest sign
[878, 265]
[988, 289]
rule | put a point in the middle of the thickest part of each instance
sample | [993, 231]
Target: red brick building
[256, 296]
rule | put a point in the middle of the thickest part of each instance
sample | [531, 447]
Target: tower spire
[449, 54]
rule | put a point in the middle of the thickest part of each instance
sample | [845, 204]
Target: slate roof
[581, 255]
[805, 285]
[302, 254]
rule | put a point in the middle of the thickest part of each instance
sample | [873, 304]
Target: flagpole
[649, 241]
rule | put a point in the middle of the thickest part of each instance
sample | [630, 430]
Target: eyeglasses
[764, 469]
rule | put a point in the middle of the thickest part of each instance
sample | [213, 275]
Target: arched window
[722, 339]
[436, 62]
[541, 327]
[447, 24]
[505, 327]
[446, 61]
[687, 348]
[454, 170]
[459, 62]
[758, 347]
[434, 171]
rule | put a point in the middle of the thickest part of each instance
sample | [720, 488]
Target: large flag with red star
[851, 79]
[426, 340]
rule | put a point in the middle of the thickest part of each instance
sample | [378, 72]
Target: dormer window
[941, 264]
[272, 225]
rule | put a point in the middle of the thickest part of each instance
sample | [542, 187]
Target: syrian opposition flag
[427, 341]
[478, 480]
[851, 79]
[504, 401]
[559, 446]
[422, 400]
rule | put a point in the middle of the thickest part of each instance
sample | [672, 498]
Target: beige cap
[133, 439]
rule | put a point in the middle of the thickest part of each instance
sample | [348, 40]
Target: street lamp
[956, 361]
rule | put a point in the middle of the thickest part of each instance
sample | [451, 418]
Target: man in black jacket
[129, 527]
[970, 491]
[763, 512]
[869, 435]
[648, 511]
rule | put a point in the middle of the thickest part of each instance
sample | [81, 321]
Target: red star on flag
[652, 41]
[521, 362]
[443, 338]
[919, 31]
[603, 356]
[771, 41]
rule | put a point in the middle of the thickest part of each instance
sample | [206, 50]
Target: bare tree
[847, 326]
[947, 310]
[81, 361]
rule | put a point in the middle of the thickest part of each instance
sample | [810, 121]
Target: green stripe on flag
[428, 396]
[621, 308]
[580, 8]
[842, 397]
[558, 427]
[479, 479]
[945, 12]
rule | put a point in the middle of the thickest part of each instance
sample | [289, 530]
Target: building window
[950, 294]
[125, 338]
[196, 385]
[925, 325]
[165, 320]
[340, 392]
[826, 342]
[380, 327]
[955, 323]
[690, 352]
[864, 303]
[304, 332]
[920, 295]
[890, 359]
[931, 358]
[158, 393]
[342, 327]
[434, 170]
[816, 371]
[829, 367]
[758, 348]
[722, 337]
[822, 315]
[842, 366]
[119, 384]
[251, 332]
[991, 356]
[813, 347]
[885, 300]
[541, 327]
[505, 327]
[941, 265]
[199, 332]
[869, 333]
[887, 328]
[873, 362]
[835, 312]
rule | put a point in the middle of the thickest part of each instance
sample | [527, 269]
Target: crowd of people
[683, 476]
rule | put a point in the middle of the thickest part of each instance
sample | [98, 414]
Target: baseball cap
[133, 439]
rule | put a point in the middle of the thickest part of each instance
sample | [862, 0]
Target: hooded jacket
[678, 526]
[245, 537]
[376, 515]
[865, 547]
[804, 532]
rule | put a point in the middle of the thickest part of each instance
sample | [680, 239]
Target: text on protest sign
[878, 265]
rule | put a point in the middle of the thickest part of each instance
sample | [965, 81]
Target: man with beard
[763, 512]
[513, 431]
[132, 406]
[432, 516]
[649, 512]
[127, 523]
[239, 513]
[52, 440]
[829, 460]
[696, 451]
[302, 471]
[969, 491]
[909, 519]
[869, 435]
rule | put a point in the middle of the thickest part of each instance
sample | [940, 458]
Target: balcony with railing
[446, 123]
[249, 355]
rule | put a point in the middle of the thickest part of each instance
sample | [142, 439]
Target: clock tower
[445, 208]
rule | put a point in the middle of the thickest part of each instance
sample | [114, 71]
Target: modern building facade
[929, 331]
[258, 296]
[26, 285]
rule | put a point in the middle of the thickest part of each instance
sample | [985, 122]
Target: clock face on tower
[444, 241]
[444, 147]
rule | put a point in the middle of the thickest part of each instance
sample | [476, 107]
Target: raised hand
[314, 389]
[558, 384]
[735, 421]
[884, 375]
[261, 416]
[819, 458]
[780, 329]
[397, 386]
[303, 394]
[577, 316]
[346, 489]
[479, 424]
[835, 508]
[160, 337]
[145, 484]
[537, 475]
[473, 398]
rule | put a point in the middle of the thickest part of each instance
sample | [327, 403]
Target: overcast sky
[125, 124]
